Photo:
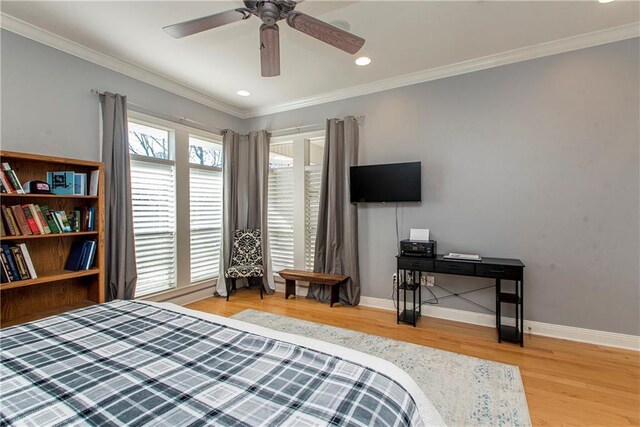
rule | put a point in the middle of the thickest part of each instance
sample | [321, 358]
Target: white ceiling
[401, 38]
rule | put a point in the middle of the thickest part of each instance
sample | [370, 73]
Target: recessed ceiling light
[363, 60]
[605, 1]
[243, 93]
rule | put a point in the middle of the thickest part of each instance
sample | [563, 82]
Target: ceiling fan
[270, 12]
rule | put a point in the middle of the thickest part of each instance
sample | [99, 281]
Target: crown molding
[145, 75]
[554, 47]
[127, 68]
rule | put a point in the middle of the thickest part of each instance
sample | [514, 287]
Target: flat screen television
[396, 182]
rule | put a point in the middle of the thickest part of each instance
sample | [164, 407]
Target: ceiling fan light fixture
[363, 60]
[243, 93]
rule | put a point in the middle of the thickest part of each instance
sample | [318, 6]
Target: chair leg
[261, 286]
[230, 288]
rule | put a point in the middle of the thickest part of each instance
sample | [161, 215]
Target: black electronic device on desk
[418, 248]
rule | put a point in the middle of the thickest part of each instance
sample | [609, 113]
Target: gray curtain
[231, 206]
[337, 236]
[257, 191]
[121, 274]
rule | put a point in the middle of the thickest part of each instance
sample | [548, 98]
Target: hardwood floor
[567, 383]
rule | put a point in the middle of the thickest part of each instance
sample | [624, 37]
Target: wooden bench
[333, 280]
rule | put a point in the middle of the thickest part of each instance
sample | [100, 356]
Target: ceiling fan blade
[205, 23]
[325, 32]
[270, 50]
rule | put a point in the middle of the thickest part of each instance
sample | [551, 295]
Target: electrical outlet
[431, 281]
[395, 278]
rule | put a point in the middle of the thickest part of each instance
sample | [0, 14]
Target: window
[154, 207]
[176, 185]
[280, 208]
[294, 194]
[205, 192]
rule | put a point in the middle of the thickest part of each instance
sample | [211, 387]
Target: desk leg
[397, 296]
[498, 307]
[404, 294]
[289, 288]
[420, 293]
[521, 313]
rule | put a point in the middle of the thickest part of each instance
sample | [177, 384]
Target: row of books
[81, 255]
[32, 219]
[16, 263]
[9, 182]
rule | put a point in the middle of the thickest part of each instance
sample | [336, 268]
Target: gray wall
[536, 160]
[47, 107]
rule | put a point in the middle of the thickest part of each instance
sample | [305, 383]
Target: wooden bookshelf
[55, 290]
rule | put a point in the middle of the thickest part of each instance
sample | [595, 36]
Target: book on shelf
[61, 183]
[80, 184]
[93, 183]
[4, 274]
[39, 215]
[6, 265]
[81, 255]
[16, 263]
[18, 214]
[5, 186]
[10, 180]
[21, 264]
[33, 225]
[9, 222]
[28, 260]
[63, 221]
[51, 222]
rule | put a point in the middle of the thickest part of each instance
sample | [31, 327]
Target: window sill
[182, 293]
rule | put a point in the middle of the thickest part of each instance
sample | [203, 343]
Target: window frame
[179, 150]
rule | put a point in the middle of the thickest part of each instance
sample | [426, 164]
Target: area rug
[465, 390]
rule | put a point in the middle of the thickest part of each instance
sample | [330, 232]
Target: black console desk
[410, 271]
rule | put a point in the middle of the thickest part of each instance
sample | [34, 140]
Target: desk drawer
[455, 267]
[499, 271]
[418, 264]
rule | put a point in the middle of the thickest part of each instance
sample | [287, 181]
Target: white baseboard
[591, 336]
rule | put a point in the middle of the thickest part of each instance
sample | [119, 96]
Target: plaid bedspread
[129, 363]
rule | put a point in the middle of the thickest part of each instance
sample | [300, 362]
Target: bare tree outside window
[204, 153]
[149, 142]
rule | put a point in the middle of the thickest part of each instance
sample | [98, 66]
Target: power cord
[431, 302]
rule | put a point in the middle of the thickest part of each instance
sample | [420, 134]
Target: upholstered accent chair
[246, 259]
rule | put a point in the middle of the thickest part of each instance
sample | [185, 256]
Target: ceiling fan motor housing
[269, 12]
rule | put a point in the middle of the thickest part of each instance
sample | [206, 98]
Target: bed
[141, 363]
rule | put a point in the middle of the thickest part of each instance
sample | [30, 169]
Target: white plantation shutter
[280, 217]
[312, 181]
[154, 223]
[205, 187]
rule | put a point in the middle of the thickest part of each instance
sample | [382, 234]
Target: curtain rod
[175, 119]
[204, 127]
[316, 126]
